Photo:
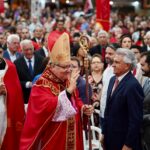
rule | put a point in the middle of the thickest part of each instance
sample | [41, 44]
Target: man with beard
[145, 66]
[108, 73]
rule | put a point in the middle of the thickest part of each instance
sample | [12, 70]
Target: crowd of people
[43, 80]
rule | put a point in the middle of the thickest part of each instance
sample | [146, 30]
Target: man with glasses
[54, 113]
[28, 66]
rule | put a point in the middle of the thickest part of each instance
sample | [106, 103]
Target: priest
[54, 113]
[12, 113]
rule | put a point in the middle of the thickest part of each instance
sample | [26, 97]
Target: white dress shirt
[148, 48]
[12, 56]
[108, 73]
[27, 61]
[45, 51]
[28, 83]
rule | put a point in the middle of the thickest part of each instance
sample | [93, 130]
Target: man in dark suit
[103, 40]
[38, 35]
[28, 66]
[124, 107]
[44, 50]
[12, 53]
[145, 66]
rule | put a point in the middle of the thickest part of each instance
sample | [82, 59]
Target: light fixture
[53, 1]
[135, 4]
[67, 1]
[111, 2]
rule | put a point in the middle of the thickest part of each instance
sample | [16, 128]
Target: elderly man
[12, 53]
[124, 108]
[53, 119]
[145, 66]
[103, 40]
[11, 106]
[28, 66]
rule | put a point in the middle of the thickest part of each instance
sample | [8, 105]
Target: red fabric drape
[1, 6]
[15, 109]
[103, 13]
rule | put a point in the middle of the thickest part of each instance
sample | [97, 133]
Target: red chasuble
[40, 132]
[15, 109]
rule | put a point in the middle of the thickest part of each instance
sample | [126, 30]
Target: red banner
[1, 6]
[103, 13]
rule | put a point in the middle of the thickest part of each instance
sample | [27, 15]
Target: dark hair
[113, 46]
[76, 34]
[137, 47]
[44, 63]
[77, 60]
[96, 55]
[12, 29]
[75, 49]
[147, 54]
[60, 19]
[2, 64]
[124, 36]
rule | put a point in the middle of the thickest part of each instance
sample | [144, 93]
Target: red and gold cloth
[40, 132]
[103, 13]
[15, 109]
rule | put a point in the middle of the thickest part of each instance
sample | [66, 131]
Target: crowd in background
[25, 37]
[129, 31]
[24, 41]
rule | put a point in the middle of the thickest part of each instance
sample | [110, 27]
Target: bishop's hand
[73, 80]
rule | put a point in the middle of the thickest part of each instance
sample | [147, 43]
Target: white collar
[10, 53]
[26, 59]
[45, 51]
[122, 76]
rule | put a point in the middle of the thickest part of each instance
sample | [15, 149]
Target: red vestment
[40, 132]
[15, 109]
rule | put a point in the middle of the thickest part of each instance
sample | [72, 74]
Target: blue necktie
[30, 67]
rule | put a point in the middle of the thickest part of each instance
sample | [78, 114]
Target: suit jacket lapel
[121, 83]
[35, 64]
[25, 66]
[110, 87]
[42, 52]
[146, 87]
[7, 55]
[17, 55]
